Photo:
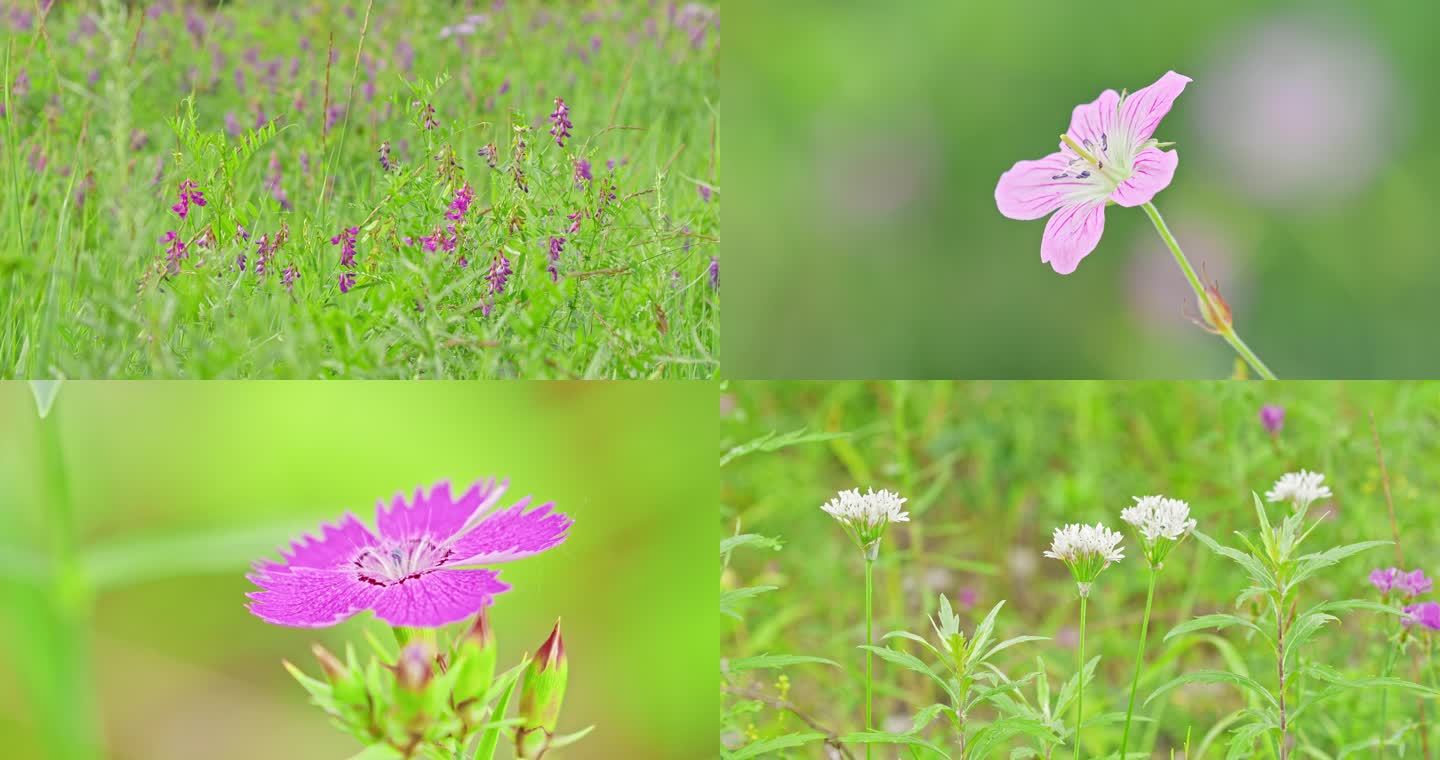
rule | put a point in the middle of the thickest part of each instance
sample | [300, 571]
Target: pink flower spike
[1106, 156]
[416, 570]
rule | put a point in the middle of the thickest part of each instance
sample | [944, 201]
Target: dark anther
[1061, 175]
[1104, 143]
[1083, 174]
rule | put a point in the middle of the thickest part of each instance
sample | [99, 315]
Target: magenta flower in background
[557, 247]
[714, 272]
[582, 172]
[561, 120]
[346, 241]
[346, 281]
[289, 276]
[1424, 613]
[704, 191]
[499, 273]
[1384, 580]
[1272, 417]
[189, 193]
[1413, 583]
[174, 251]
[409, 571]
[1107, 154]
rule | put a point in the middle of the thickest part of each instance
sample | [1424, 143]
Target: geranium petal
[510, 534]
[336, 546]
[306, 597]
[1152, 171]
[1093, 122]
[438, 598]
[436, 515]
[1142, 111]
[1031, 189]
[1071, 234]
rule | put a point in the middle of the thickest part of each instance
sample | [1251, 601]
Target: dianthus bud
[540, 697]
[475, 656]
[415, 667]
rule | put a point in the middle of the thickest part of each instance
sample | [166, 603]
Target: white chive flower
[1160, 523]
[1301, 489]
[1086, 550]
[865, 516]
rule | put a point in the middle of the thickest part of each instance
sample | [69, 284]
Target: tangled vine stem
[1224, 329]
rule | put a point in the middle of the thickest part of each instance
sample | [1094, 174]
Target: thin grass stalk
[1139, 662]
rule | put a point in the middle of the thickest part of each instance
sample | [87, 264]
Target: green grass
[991, 468]
[121, 110]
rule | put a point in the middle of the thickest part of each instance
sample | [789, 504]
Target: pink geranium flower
[417, 571]
[1107, 155]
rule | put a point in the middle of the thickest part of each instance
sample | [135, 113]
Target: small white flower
[1077, 543]
[1299, 488]
[865, 516]
[1156, 517]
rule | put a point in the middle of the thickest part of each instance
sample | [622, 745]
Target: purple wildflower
[189, 193]
[1424, 613]
[240, 262]
[714, 272]
[461, 204]
[272, 183]
[174, 251]
[1413, 583]
[289, 276]
[1272, 417]
[1384, 580]
[487, 152]
[408, 571]
[385, 163]
[347, 281]
[575, 221]
[504, 86]
[428, 115]
[561, 119]
[499, 273]
[557, 246]
[263, 253]
[704, 191]
[346, 241]
[242, 232]
[582, 172]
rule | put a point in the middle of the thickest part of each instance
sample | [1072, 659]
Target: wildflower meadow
[1086, 570]
[407, 189]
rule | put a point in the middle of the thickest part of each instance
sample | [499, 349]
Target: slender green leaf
[764, 747]
[1213, 676]
[776, 661]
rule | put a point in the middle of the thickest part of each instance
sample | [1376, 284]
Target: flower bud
[1214, 310]
[540, 697]
[415, 667]
[475, 656]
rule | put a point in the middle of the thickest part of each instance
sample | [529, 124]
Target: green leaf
[1006, 644]
[225, 551]
[1310, 564]
[1216, 622]
[986, 739]
[766, 746]
[776, 661]
[565, 740]
[1252, 566]
[881, 737]
[912, 662]
[1213, 676]
[927, 715]
[485, 750]
[774, 442]
[755, 540]
[982, 634]
[729, 598]
[912, 637]
[377, 752]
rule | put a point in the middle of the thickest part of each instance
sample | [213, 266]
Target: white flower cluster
[1299, 488]
[1076, 543]
[867, 511]
[1156, 517]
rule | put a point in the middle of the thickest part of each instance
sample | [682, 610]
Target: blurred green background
[177, 487]
[872, 135]
[991, 468]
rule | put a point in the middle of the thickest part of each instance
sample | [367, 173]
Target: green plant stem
[1080, 674]
[1385, 693]
[1139, 662]
[869, 642]
[1225, 331]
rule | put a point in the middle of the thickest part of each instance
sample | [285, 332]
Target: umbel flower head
[866, 516]
[1107, 155]
[1160, 523]
[1301, 489]
[1086, 550]
[416, 570]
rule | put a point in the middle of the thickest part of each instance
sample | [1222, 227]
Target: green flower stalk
[541, 695]
[865, 518]
[1159, 524]
[1086, 550]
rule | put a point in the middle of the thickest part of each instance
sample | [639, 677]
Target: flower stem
[1139, 662]
[1385, 693]
[1080, 674]
[1226, 330]
[869, 641]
